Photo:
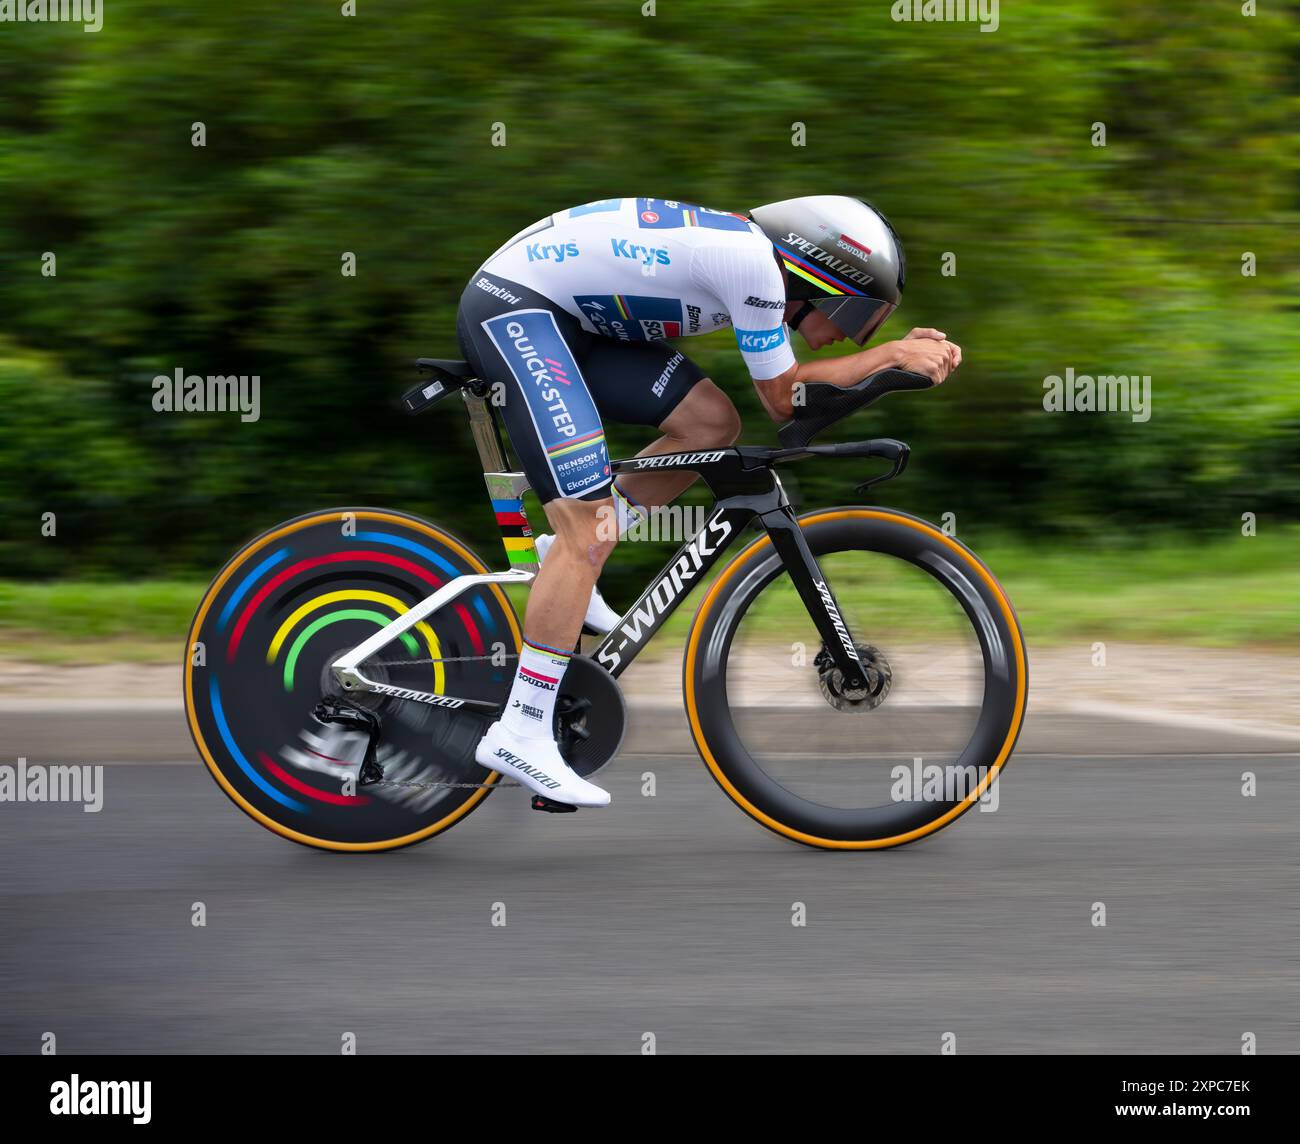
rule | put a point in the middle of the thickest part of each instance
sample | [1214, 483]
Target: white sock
[530, 710]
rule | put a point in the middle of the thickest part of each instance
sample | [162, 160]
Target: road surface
[668, 916]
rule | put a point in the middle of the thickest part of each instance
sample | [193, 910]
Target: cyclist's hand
[938, 336]
[932, 357]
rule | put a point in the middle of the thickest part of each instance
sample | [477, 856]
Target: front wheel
[886, 764]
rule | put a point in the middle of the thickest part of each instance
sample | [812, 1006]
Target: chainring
[590, 721]
[590, 716]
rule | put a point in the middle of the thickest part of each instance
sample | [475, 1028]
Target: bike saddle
[449, 374]
[452, 366]
[824, 404]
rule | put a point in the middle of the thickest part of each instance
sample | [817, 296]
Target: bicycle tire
[296, 571]
[713, 729]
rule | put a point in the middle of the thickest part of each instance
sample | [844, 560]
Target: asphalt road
[668, 915]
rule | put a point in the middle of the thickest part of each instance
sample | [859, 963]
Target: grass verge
[1238, 592]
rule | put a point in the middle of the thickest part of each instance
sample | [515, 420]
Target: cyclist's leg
[652, 383]
[520, 341]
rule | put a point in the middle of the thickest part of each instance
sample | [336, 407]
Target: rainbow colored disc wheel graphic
[257, 664]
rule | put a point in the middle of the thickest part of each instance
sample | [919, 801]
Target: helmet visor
[857, 318]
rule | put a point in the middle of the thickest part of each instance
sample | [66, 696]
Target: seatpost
[487, 437]
[505, 488]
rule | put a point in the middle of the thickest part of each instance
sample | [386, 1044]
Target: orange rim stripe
[244, 804]
[832, 843]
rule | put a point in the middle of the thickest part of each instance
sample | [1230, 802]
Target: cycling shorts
[555, 381]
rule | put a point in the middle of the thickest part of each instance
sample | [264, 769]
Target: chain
[440, 786]
[436, 786]
[422, 662]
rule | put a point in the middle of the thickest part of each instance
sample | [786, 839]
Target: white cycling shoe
[538, 764]
[600, 616]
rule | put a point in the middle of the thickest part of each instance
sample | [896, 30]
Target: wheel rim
[920, 797]
[271, 623]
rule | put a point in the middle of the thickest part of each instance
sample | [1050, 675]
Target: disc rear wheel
[258, 665]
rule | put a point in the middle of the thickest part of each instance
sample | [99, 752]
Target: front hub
[864, 694]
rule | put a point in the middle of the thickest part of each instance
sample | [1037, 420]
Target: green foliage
[1166, 588]
[372, 134]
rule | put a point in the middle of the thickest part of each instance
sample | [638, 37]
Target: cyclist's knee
[724, 426]
[587, 529]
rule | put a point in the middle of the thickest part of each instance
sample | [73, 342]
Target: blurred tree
[374, 135]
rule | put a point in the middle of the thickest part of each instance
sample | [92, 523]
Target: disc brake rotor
[876, 670]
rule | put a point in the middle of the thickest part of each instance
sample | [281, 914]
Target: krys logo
[759, 339]
[646, 255]
[556, 252]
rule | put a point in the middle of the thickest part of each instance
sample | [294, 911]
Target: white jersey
[642, 269]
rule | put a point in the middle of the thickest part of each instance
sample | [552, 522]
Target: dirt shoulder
[1248, 686]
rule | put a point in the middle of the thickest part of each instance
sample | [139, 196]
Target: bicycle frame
[746, 486]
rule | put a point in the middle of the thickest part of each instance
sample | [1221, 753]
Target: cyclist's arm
[776, 393]
[748, 285]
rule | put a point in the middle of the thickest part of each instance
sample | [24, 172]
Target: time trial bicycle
[853, 678]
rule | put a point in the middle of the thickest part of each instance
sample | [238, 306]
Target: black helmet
[841, 255]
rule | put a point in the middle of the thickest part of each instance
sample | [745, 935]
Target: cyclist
[573, 318]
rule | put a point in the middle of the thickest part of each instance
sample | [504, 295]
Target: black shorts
[554, 382]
